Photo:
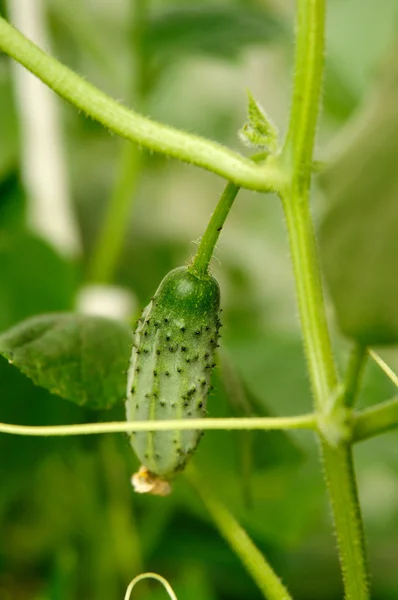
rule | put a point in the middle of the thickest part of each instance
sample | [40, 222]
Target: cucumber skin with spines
[170, 368]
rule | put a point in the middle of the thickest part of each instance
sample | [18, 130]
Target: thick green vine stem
[260, 570]
[133, 126]
[338, 464]
[309, 61]
[319, 355]
[340, 478]
[297, 156]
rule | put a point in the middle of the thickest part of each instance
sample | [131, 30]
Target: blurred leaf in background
[359, 233]
[218, 30]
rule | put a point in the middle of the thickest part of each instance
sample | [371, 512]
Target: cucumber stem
[200, 264]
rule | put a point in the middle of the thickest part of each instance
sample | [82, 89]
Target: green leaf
[259, 132]
[220, 31]
[79, 357]
[359, 233]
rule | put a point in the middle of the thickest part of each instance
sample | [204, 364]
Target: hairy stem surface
[340, 477]
[298, 156]
[338, 463]
[307, 88]
[316, 337]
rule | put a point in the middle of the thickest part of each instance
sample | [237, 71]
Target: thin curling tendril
[159, 578]
[384, 367]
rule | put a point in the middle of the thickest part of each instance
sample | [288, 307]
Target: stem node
[336, 426]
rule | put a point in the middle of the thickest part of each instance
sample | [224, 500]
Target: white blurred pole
[42, 154]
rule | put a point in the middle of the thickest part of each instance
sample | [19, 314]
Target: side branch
[376, 420]
[265, 423]
[133, 126]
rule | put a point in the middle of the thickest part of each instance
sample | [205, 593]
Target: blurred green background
[70, 524]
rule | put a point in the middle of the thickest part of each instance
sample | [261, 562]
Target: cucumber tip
[145, 482]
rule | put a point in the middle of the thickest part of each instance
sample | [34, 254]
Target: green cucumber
[170, 367]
